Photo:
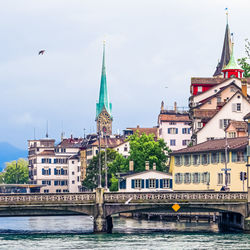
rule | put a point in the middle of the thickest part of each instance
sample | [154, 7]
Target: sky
[153, 48]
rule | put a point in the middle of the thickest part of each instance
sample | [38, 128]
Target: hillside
[10, 153]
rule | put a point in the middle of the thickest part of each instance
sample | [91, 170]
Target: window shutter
[168, 130]
[208, 158]
[157, 183]
[181, 178]
[132, 183]
[181, 160]
[192, 175]
[49, 171]
[234, 107]
[62, 171]
[142, 183]
[208, 177]
[199, 177]
[43, 171]
[189, 130]
[202, 178]
[147, 183]
[54, 160]
[54, 171]
[175, 177]
[49, 160]
[221, 123]
[234, 157]
[176, 130]
[161, 183]
[42, 160]
[171, 183]
[183, 131]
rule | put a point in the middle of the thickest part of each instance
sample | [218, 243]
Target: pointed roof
[226, 52]
[103, 94]
[232, 64]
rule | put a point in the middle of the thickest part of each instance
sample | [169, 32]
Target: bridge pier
[231, 221]
[102, 223]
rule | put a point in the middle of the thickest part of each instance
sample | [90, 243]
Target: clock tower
[104, 107]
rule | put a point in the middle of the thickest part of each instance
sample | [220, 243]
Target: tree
[116, 163]
[243, 62]
[16, 172]
[145, 148]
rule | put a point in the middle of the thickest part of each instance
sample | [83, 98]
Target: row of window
[204, 159]
[57, 160]
[184, 142]
[57, 190]
[151, 183]
[188, 178]
[175, 130]
[58, 171]
[58, 182]
[197, 178]
[63, 150]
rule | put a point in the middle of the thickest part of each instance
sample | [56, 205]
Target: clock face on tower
[105, 122]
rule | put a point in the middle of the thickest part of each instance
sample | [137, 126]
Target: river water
[75, 232]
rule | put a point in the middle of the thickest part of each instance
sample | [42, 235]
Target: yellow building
[202, 167]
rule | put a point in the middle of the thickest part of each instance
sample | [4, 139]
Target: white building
[55, 166]
[234, 109]
[174, 128]
[147, 181]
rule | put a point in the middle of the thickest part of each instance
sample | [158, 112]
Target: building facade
[174, 128]
[55, 166]
[202, 167]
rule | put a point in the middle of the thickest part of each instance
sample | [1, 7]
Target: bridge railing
[33, 199]
[183, 197]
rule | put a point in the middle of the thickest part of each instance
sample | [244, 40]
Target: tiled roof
[70, 142]
[247, 116]
[147, 131]
[207, 80]
[215, 145]
[177, 117]
[111, 142]
[204, 113]
[238, 125]
[47, 152]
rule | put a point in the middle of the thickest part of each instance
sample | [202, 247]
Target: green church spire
[103, 95]
[232, 64]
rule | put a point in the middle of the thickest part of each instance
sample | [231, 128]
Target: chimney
[244, 86]
[175, 107]
[154, 166]
[131, 166]
[162, 105]
[138, 126]
[146, 165]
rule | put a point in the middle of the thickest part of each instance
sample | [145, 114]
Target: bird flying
[41, 52]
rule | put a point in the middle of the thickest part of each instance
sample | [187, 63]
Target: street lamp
[247, 119]
[99, 151]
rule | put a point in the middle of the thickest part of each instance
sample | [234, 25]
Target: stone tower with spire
[104, 106]
[226, 52]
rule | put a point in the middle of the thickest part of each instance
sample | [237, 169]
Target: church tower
[104, 107]
[226, 52]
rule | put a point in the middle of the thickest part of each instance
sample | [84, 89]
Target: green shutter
[199, 177]
[202, 178]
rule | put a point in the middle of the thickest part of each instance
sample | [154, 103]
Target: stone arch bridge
[233, 206]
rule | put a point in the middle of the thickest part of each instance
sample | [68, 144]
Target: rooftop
[238, 125]
[215, 145]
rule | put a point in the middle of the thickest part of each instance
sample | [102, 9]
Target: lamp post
[247, 119]
[99, 151]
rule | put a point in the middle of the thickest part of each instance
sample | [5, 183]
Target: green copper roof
[232, 62]
[103, 95]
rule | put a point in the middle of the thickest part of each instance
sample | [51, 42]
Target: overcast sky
[150, 45]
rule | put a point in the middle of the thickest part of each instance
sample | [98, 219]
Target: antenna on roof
[47, 129]
[84, 133]
[62, 133]
[34, 133]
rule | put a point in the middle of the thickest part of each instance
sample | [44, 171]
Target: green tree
[16, 172]
[244, 61]
[145, 148]
[116, 163]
